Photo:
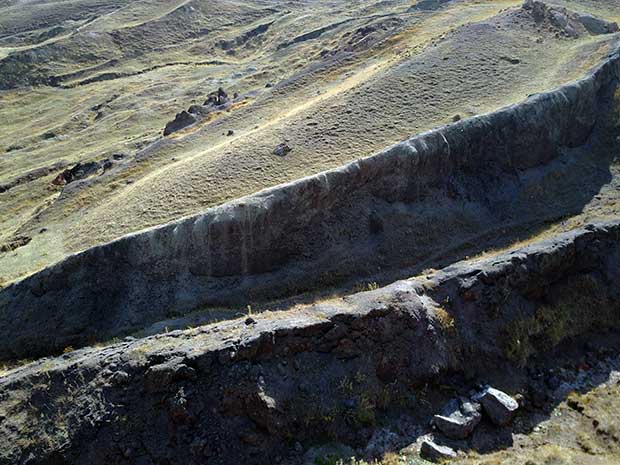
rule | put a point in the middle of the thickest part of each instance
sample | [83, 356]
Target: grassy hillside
[87, 80]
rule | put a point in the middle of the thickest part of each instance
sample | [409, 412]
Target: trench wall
[393, 209]
[240, 391]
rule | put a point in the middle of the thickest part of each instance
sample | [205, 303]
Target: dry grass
[202, 167]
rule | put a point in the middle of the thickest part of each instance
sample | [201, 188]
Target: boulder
[436, 453]
[499, 406]
[458, 418]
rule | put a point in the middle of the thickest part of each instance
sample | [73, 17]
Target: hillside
[309, 232]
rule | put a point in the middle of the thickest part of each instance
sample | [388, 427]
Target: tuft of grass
[365, 413]
[445, 319]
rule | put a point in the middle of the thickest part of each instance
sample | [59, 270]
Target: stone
[458, 418]
[499, 406]
[282, 150]
[436, 453]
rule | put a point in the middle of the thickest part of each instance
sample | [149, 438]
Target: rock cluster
[461, 416]
[216, 101]
[78, 172]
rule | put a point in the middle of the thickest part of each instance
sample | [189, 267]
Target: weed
[365, 412]
[345, 385]
[445, 320]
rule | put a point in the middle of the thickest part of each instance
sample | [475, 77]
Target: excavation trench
[522, 166]
[243, 391]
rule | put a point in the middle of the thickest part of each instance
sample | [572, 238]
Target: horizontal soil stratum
[309, 232]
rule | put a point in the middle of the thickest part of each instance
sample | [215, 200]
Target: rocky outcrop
[396, 209]
[238, 391]
[81, 170]
[216, 101]
[181, 120]
[568, 22]
[33, 175]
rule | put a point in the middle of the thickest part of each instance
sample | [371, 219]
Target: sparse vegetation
[582, 307]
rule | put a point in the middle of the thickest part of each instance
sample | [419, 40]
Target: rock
[434, 452]
[568, 23]
[282, 150]
[458, 418]
[511, 60]
[49, 135]
[17, 242]
[182, 120]
[159, 377]
[499, 406]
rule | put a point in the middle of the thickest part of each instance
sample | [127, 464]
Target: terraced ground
[131, 365]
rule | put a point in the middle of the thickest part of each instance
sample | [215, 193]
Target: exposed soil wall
[242, 391]
[394, 209]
